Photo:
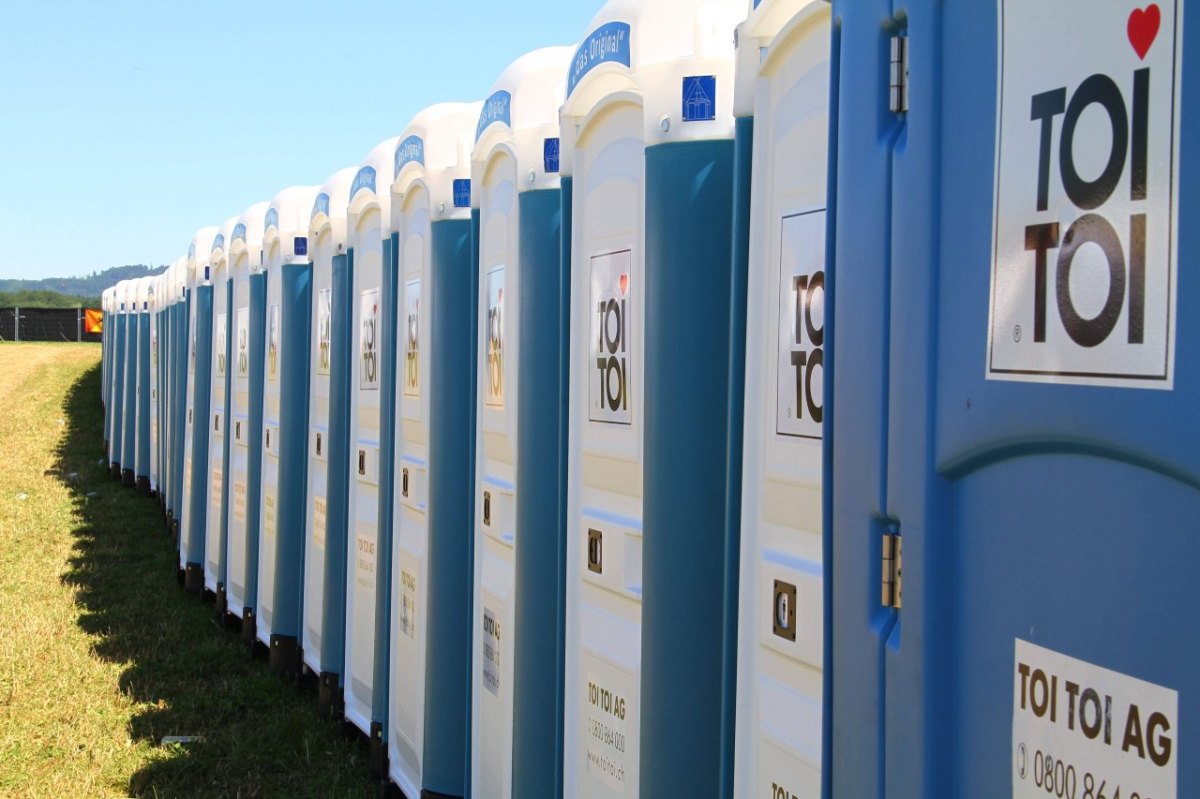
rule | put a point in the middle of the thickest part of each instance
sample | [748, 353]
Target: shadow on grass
[190, 675]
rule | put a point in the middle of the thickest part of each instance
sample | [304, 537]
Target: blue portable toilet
[216, 529]
[647, 133]
[1013, 408]
[142, 387]
[368, 234]
[156, 283]
[129, 384]
[248, 327]
[180, 364]
[276, 608]
[117, 383]
[108, 331]
[427, 733]
[515, 649]
[781, 106]
[197, 340]
[322, 646]
[174, 365]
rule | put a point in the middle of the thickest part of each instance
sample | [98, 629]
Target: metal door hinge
[898, 76]
[893, 579]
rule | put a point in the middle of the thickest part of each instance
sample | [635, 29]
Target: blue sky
[125, 125]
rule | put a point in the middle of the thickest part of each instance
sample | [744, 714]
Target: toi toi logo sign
[1083, 269]
[801, 361]
[610, 348]
[412, 338]
[494, 332]
[369, 340]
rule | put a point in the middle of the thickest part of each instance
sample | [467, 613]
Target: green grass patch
[102, 654]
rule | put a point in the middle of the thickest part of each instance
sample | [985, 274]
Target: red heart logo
[624, 281]
[1143, 28]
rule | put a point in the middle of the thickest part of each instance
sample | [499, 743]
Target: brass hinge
[893, 580]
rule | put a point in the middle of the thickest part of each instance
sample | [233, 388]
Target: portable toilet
[648, 158]
[143, 390]
[373, 303]
[324, 609]
[129, 385]
[248, 311]
[216, 531]
[781, 105]
[429, 714]
[517, 593]
[285, 416]
[106, 359]
[117, 384]
[1011, 564]
[198, 340]
[180, 359]
[155, 387]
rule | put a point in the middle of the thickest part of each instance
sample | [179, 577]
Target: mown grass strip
[101, 654]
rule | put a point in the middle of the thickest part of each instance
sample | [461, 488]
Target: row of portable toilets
[573, 438]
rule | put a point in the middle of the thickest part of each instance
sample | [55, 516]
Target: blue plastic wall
[541, 505]
[295, 331]
[333, 636]
[1044, 512]
[201, 378]
[686, 489]
[453, 296]
[258, 336]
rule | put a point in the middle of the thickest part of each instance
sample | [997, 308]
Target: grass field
[101, 652]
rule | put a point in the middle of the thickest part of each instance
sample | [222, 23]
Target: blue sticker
[300, 245]
[321, 205]
[699, 98]
[497, 108]
[608, 43]
[218, 242]
[365, 179]
[409, 151]
[550, 149]
[462, 193]
[192, 251]
[239, 232]
[271, 219]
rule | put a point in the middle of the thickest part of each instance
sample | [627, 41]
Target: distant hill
[67, 292]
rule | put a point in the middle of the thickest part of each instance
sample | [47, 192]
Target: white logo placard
[494, 339]
[1084, 261]
[1085, 731]
[800, 369]
[412, 338]
[369, 340]
[609, 370]
[243, 342]
[324, 330]
[219, 344]
[273, 343]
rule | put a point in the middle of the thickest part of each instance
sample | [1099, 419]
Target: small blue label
[699, 98]
[608, 43]
[411, 150]
[320, 205]
[192, 251]
[239, 232]
[497, 108]
[365, 179]
[300, 245]
[462, 193]
[550, 149]
[218, 242]
[271, 219]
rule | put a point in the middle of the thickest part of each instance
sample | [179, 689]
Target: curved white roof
[436, 148]
[329, 206]
[198, 256]
[651, 46]
[287, 217]
[247, 238]
[522, 110]
[373, 181]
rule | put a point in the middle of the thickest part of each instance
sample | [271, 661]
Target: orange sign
[93, 320]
